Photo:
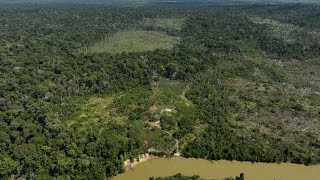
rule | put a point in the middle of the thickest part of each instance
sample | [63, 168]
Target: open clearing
[289, 32]
[135, 41]
[98, 111]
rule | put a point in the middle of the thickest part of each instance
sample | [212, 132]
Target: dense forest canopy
[78, 97]
[159, 1]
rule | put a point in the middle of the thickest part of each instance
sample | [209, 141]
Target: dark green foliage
[168, 122]
[177, 177]
[7, 166]
[241, 177]
[47, 84]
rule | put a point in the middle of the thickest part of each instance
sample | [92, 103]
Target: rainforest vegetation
[86, 87]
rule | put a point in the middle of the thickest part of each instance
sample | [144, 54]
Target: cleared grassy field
[170, 23]
[289, 32]
[134, 41]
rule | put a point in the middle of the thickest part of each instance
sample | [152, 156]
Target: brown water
[220, 169]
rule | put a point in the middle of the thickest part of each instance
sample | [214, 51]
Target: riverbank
[219, 169]
[128, 164]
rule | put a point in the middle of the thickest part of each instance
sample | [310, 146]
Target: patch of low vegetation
[169, 93]
[179, 176]
[99, 110]
[280, 30]
[289, 32]
[134, 41]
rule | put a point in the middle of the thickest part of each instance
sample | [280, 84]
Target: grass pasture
[134, 41]
[289, 32]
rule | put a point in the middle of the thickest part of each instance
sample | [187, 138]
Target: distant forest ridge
[156, 1]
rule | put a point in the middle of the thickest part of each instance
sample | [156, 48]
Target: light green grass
[288, 32]
[280, 30]
[170, 23]
[98, 110]
[135, 41]
[170, 94]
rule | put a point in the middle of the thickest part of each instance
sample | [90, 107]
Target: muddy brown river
[220, 169]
